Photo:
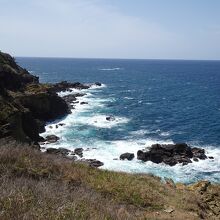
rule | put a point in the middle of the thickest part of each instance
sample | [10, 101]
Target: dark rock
[41, 139]
[128, 156]
[212, 158]
[79, 152]
[59, 151]
[52, 138]
[171, 154]
[61, 124]
[65, 86]
[110, 118]
[69, 98]
[83, 103]
[195, 159]
[92, 162]
[56, 126]
[98, 83]
[199, 153]
[142, 156]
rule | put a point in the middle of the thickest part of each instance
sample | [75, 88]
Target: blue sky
[151, 29]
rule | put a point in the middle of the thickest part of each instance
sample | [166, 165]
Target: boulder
[128, 156]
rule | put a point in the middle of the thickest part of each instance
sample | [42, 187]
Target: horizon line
[98, 58]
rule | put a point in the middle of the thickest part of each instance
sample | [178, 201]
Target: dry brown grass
[34, 185]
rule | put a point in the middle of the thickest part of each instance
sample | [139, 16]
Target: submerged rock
[171, 154]
[128, 156]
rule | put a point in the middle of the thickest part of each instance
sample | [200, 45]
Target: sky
[139, 29]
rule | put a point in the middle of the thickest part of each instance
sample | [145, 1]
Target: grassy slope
[34, 185]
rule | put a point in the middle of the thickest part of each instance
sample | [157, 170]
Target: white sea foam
[165, 134]
[101, 122]
[94, 86]
[140, 132]
[129, 98]
[107, 151]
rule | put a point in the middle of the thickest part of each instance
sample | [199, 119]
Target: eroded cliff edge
[25, 104]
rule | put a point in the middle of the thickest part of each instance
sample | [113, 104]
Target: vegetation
[34, 185]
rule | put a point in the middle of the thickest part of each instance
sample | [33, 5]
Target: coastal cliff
[25, 104]
[34, 185]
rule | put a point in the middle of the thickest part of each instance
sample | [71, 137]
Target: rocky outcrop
[171, 154]
[66, 86]
[12, 76]
[25, 104]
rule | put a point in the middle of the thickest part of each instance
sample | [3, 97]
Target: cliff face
[25, 104]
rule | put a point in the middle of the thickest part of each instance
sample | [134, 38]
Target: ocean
[152, 101]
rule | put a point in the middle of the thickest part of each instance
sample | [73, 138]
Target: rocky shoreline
[26, 106]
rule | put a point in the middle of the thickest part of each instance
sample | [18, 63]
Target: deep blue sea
[153, 101]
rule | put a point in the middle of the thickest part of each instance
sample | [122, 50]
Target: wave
[110, 69]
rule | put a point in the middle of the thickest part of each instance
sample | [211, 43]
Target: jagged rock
[128, 156]
[171, 154]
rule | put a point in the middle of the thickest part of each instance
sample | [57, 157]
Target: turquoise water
[152, 100]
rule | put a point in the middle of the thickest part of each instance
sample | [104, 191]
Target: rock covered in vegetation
[171, 154]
